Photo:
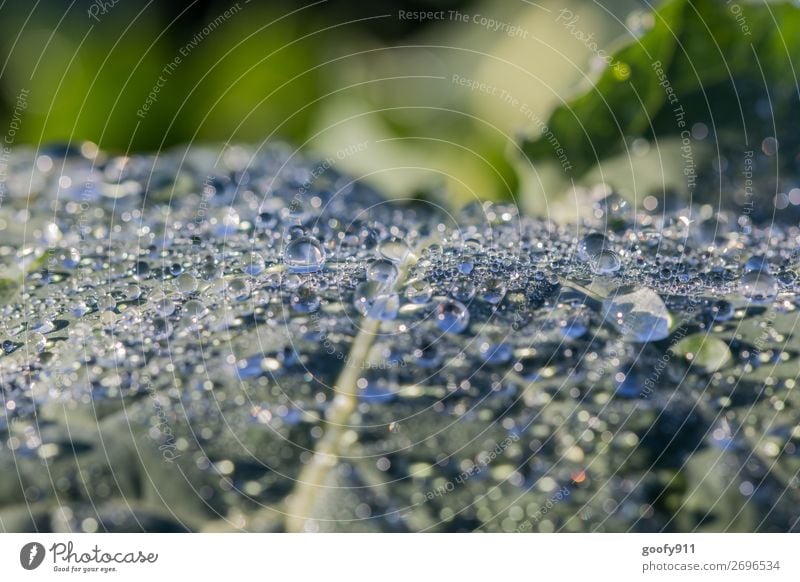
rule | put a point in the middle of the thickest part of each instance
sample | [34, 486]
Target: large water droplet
[43, 326]
[721, 310]
[463, 290]
[194, 310]
[305, 299]
[757, 263]
[164, 306]
[640, 316]
[419, 291]
[427, 357]
[758, 286]
[606, 262]
[304, 255]
[452, 316]
[385, 307]
[34, 342]
[185, 284]
[382, 271]
[238, 288]
[493, 290]
[575, 323]
[494, 352]
[253, 263]
[395, 249]
[591, 245]
[373, 301]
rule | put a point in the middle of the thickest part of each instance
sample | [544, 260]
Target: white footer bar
[401, 557]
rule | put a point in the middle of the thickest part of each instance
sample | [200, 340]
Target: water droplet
[107, 303]
[185, 284]
[427, 357]
[756, 263]
[372, 301]
[304, 255]
[141, 270]
[493, 290]
[164, 306]
[452, 316]
[395, 249]
[238, 288]
[419, 291]
[494, 353]
[640, 316]
[606, 262]
[132, 292]
[253, 264]
[43, 326]
[382, 271]
[465, 267]
[194, 310]
[34, 341]
[209, 269]
[385, 307]
[463, 290]
[758, 286]
[305, 299]
[591, 245]
[721, 310]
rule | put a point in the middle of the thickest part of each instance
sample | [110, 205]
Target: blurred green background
[433, 107]
[323, 76]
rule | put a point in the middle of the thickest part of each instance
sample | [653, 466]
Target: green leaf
[701, 61]
[708, 353]
[9, 287]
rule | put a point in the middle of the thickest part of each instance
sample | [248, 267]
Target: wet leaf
[289, 349]
[709, 353]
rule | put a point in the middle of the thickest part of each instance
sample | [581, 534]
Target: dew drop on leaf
[382, 271]
[463, 289]
[591, 245]
[758, 286]
[606, 262]
[452, 316]
[395, 249]
[640, 316]
[494, 353]
[305, 299]
[304, 255]
[418, 291]
[493, 290]
[253, 264]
